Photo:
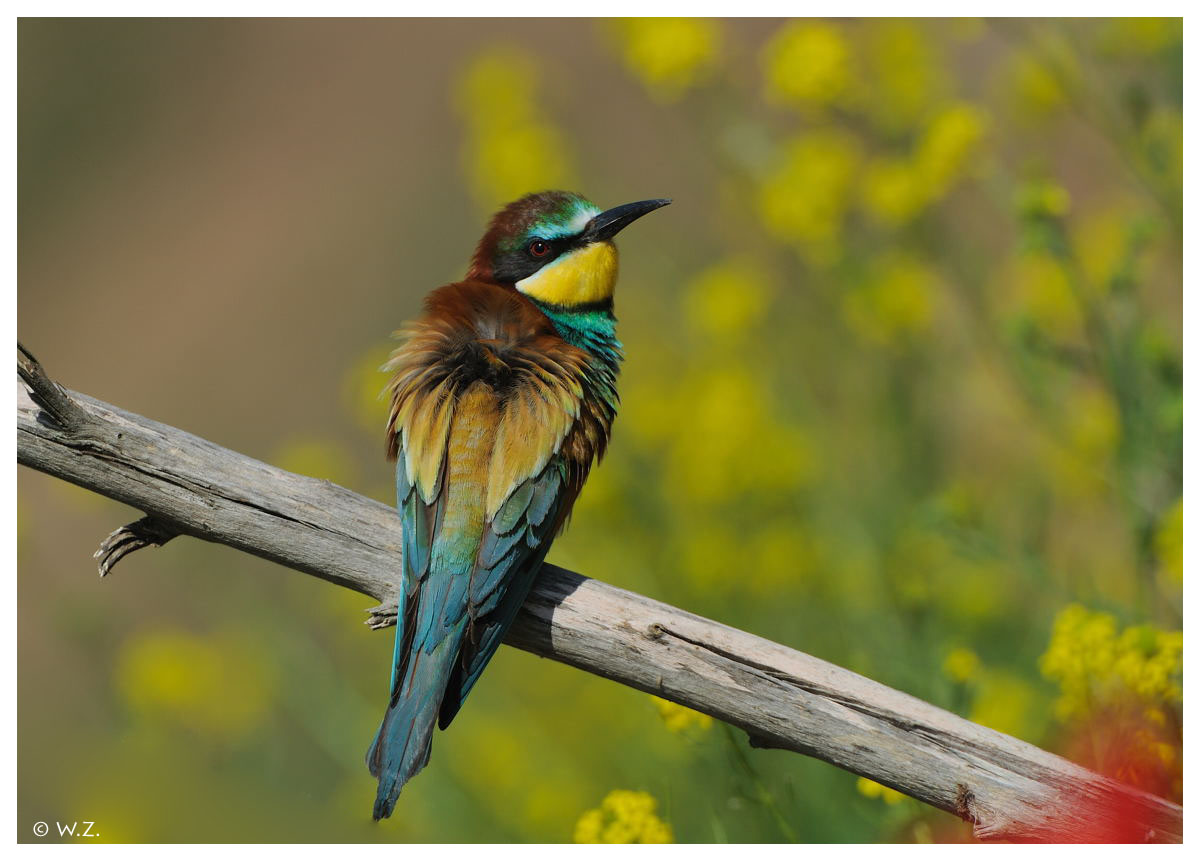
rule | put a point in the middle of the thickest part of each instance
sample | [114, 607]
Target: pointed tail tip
[383, 807]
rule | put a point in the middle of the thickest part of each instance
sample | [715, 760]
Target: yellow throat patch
[583, 276]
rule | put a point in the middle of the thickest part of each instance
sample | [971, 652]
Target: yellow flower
[870, 789]
[679, 718]
[961, 665]
[625, 816]
[506, 165]
[728, 300]
[947, 146]
[807, 65]
[669, 55]
[805, 198]
[892, 191]
[1168, 543]
[511, 148]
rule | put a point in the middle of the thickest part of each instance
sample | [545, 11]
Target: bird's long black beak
[609, 223]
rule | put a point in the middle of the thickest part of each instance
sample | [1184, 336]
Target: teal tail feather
[402, 745]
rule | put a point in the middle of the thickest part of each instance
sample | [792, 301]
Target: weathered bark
[782, 698]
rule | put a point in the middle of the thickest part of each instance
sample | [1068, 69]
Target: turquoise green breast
[593, 330]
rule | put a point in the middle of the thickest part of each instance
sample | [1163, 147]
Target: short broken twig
[146, 532]
[56, 404]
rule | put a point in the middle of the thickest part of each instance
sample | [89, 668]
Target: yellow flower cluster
[896, 189]
[210, 684]
[807, 65]
[947, 145]
[755, 453]
[669, 55]
[512, 148]
[1095, 665]
[871, 789]
[625, 816]
[734, 432]
[680, 718]
[804, 200]
[905, 76]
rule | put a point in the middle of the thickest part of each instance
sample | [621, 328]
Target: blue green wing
[513, 548]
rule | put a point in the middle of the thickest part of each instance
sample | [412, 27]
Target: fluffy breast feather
[478, 332]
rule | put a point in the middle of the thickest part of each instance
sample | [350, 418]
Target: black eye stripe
[520, 262]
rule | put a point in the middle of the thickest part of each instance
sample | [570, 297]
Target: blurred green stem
[765, 797]
[1103, 118]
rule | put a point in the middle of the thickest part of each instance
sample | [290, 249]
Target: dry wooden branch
[782, 698]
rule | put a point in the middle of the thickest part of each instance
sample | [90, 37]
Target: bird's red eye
[539, 248]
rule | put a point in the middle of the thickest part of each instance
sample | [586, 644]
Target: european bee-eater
[502, 397]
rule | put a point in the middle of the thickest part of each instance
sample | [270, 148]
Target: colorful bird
[502, 397]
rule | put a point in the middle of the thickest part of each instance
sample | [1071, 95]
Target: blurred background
[903, 391]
